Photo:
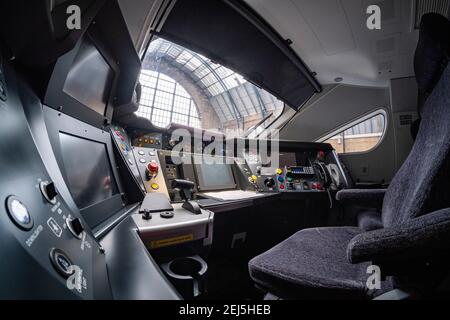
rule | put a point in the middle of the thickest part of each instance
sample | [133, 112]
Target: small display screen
[215, 176]
[90, 78]
[288, 159]
[298, 170]
[88, 170]
[293, 159]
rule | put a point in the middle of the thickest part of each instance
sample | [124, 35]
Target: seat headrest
[432, 53]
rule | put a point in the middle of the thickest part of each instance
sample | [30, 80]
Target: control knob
[269, 183]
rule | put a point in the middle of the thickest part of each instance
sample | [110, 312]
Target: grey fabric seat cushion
[370, 220]
[312, 260]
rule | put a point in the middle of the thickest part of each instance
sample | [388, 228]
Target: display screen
[90, 78]
[293, 159]
[288, 159]
[88, 170]
[215, 176]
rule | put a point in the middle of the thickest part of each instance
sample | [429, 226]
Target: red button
[153, 167]
[314, 186]
[282, 186]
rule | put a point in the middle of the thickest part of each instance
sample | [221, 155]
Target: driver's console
[298, 167]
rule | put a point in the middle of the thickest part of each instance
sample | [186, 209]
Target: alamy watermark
[210, 148]
[374, 19]
[73, 22]
[374, 280]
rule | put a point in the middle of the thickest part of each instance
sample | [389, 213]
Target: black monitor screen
[215, 176]
[88, 170]
[90, 78]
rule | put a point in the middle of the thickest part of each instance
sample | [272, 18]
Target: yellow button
[155, 186]
[253, 179]
[279, 172]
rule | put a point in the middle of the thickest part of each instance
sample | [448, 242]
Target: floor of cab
[228, 278]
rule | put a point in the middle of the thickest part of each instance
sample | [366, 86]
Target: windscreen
[90, 78]
[88, 171]
[200, 93]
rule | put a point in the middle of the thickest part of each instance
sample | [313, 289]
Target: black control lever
[185, 188]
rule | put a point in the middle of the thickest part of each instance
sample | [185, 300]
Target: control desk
[301, 167]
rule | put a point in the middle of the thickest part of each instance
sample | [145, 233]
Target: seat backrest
[422, 185]
[432, 54]
[431, 57]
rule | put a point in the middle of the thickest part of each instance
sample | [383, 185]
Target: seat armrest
[414, 239]
[363, 197]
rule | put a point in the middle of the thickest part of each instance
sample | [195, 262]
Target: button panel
[150, 172]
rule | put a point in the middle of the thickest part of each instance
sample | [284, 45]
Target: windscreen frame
[57, 123]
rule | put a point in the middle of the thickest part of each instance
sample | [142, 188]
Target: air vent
[428, 6]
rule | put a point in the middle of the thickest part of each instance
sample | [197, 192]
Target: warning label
[171, 241]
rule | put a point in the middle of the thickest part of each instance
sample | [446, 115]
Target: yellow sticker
[171, 241]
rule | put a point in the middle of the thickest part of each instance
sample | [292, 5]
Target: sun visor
[230, 33]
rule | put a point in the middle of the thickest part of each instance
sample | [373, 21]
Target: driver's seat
[332, 262]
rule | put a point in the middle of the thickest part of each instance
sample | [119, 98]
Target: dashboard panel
[300, 167]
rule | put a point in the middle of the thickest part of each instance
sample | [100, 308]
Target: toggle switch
[75, 227]
[49, 191]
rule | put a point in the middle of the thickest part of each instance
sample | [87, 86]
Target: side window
[361, 136]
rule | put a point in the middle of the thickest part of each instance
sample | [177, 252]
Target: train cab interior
[224, 149]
